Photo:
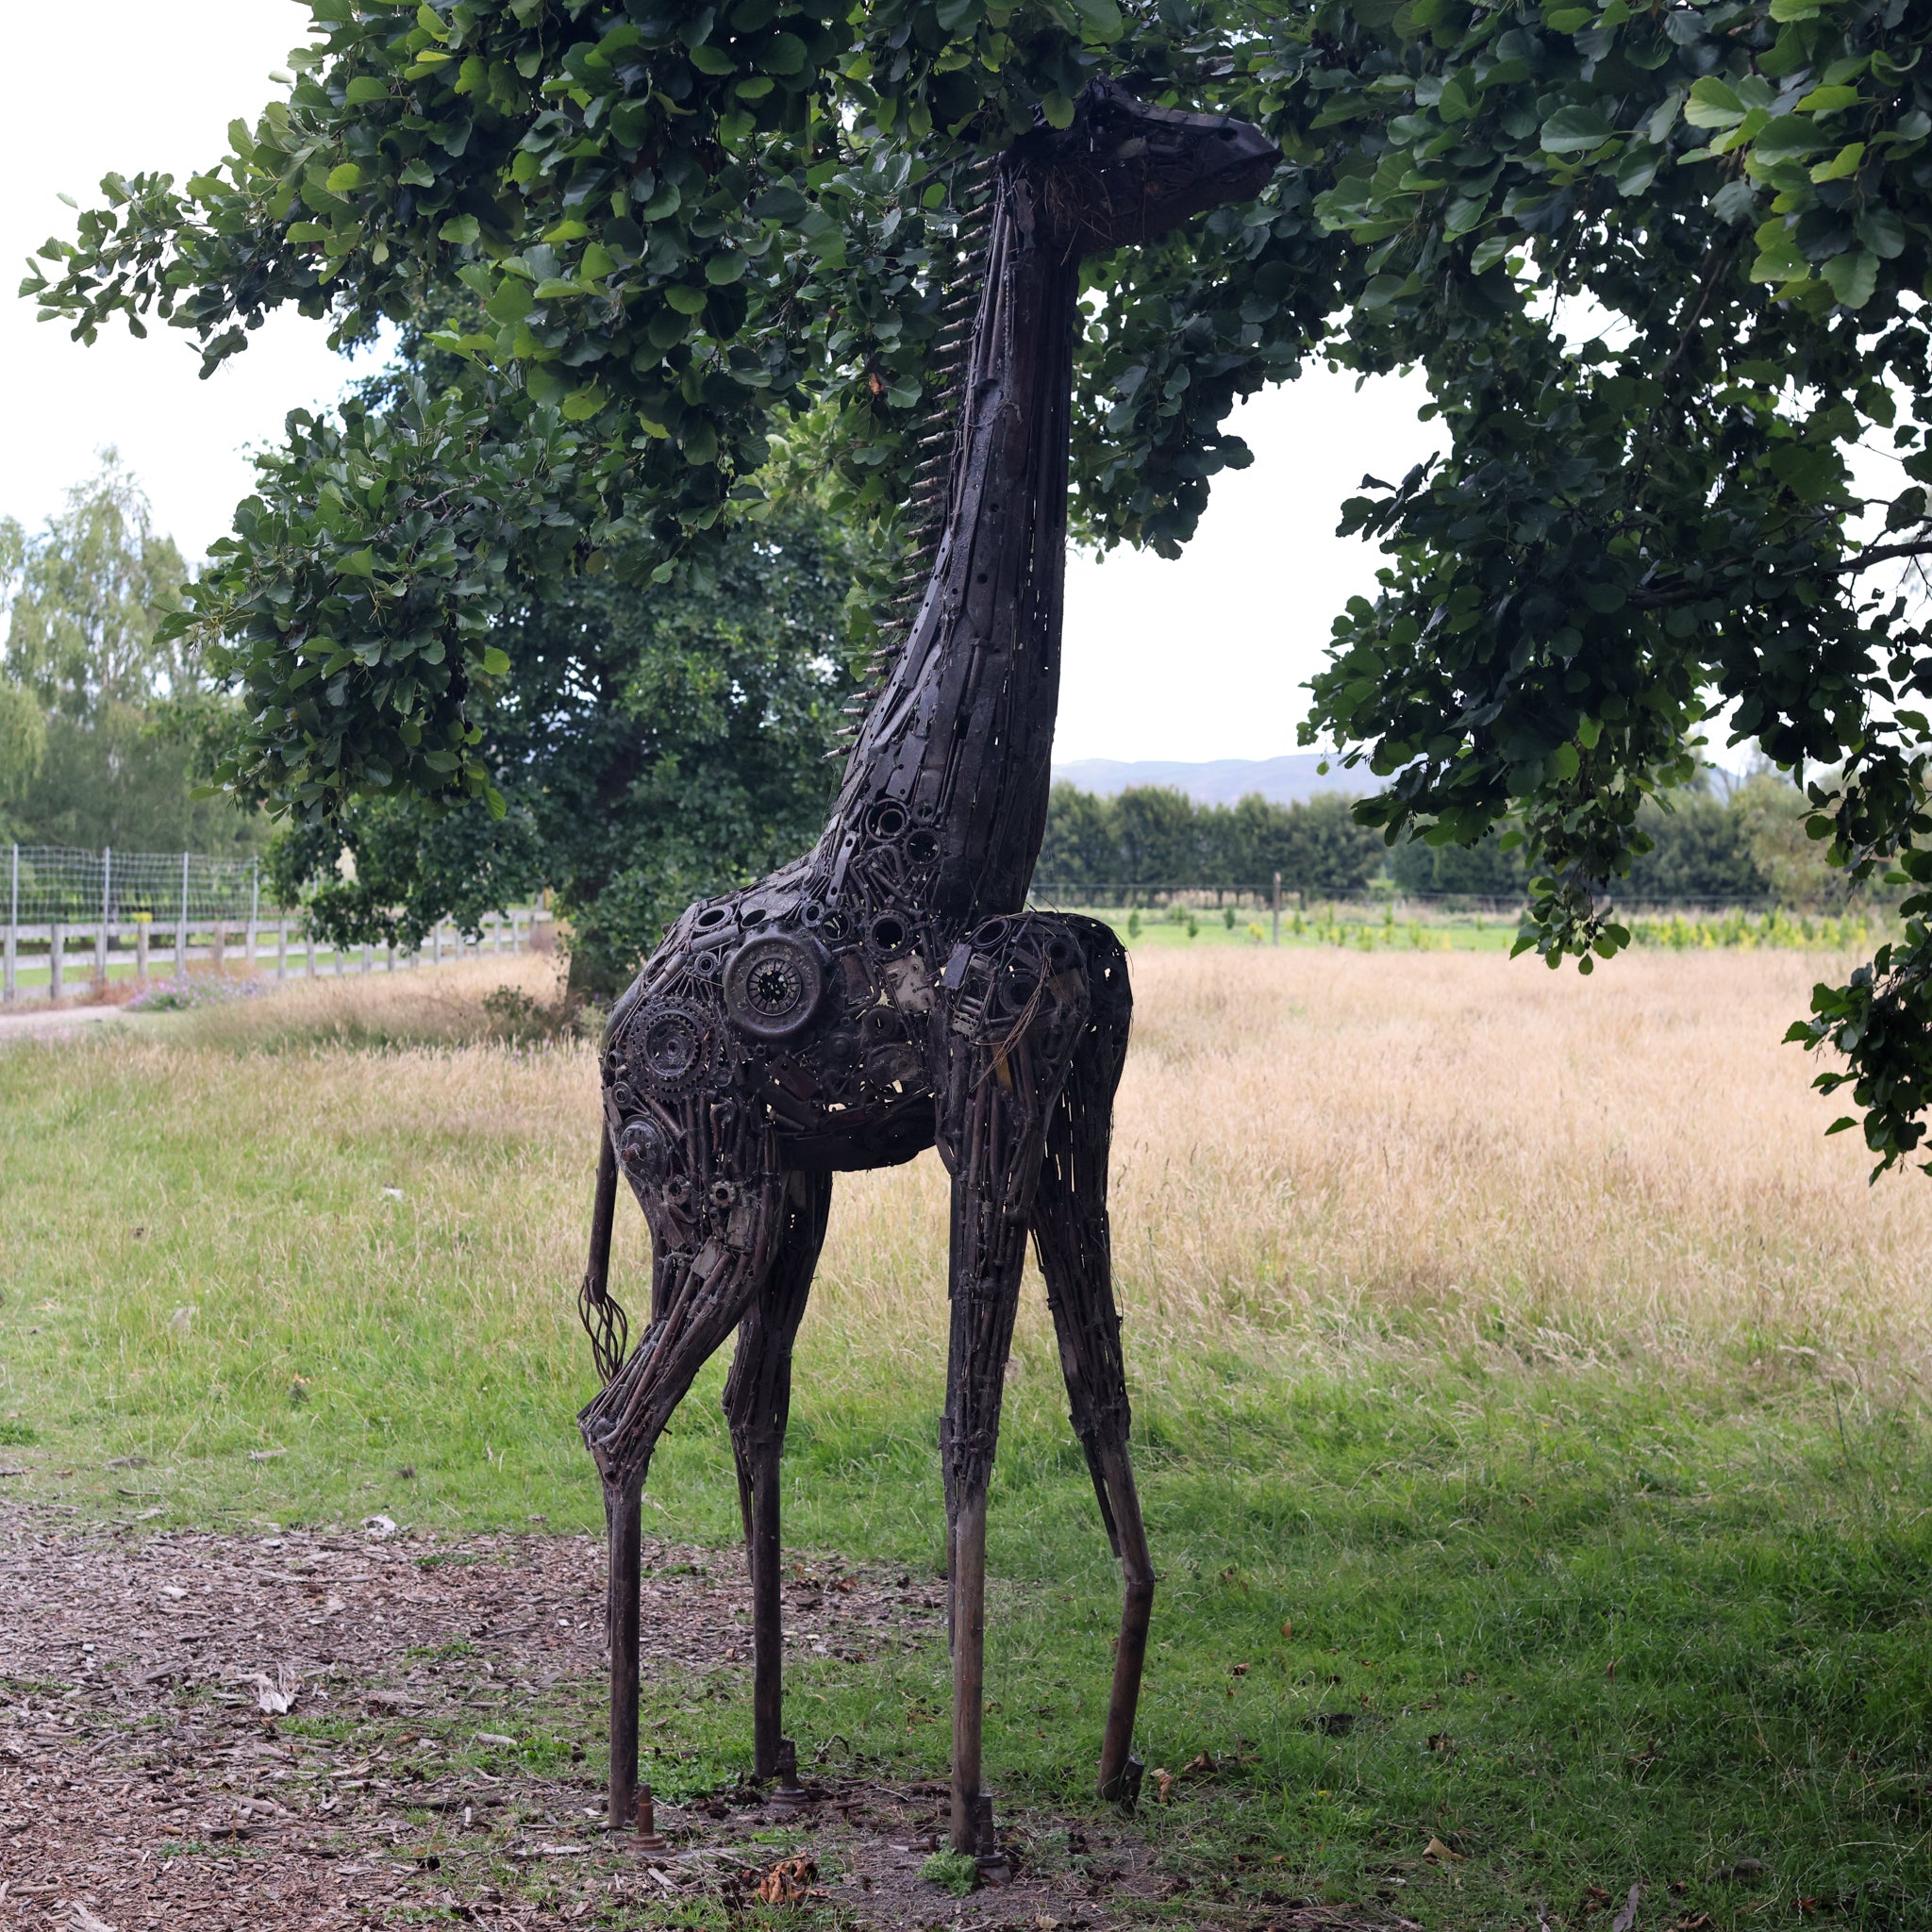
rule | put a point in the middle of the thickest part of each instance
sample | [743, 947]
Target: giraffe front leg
[702, 1289]
[623, 1534]
[757, 1402]
[1010, 1008]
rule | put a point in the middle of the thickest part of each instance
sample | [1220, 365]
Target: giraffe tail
[602, 1319]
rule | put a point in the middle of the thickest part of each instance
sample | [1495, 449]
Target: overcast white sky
[1198, 659]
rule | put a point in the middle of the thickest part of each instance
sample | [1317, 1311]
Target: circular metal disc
[773, 984]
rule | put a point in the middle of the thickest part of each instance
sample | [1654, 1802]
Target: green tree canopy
[102, 709]
[85, 599]
[648, 742]
[1662, 265]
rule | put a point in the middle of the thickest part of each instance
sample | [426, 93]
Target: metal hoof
[790, 1795]
[994, 1867]
[1124, 1789]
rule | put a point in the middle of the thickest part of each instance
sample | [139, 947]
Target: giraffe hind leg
[1003, 1034]
[758, 1403]
[1072, 1235]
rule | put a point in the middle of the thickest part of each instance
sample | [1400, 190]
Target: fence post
[254, 912]
[181, 927]
[368, 957]
[101, 930]
[141, 922]
[389, 964]
[1277, 908]
[12, 991]
[54, 980]
[436, 944]
[309, 949]
[281, 949]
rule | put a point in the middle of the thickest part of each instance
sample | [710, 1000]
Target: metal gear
[669, 1044]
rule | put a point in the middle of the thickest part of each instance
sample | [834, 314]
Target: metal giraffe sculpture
[890, 991]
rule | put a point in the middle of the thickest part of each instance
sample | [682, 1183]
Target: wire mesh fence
[50, 882]
[68, 915]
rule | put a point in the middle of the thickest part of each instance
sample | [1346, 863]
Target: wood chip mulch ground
[205, 1731]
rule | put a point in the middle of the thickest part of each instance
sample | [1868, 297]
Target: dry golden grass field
[1312, 1148]
[1317, 1150]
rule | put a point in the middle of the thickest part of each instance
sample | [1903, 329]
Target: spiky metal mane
[958, 269]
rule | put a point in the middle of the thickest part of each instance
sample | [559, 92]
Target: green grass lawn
[1363, 926]
[1584, 1626]
[1413, 926]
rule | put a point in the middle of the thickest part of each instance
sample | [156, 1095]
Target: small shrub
[522, 1019]
[1134, 923]
[17, 1435]
[1227, 917]
[515, 1012]
[953, 1872]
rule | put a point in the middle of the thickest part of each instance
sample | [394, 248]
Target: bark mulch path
[266, 1731]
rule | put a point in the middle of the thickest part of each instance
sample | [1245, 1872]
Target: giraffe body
[890, 991]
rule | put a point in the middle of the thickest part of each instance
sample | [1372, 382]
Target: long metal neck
[946, 787]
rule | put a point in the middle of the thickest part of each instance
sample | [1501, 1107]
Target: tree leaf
[1101, 19]
[1853, 277]
[1574, 131]
[785, 55]
[1842, 163]
[1713, 103]
[1491, 250]
[1882, 232]
[511, 301]
[1828, 100]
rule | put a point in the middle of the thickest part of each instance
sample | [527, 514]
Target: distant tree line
[1749, 847]
[1152, 834]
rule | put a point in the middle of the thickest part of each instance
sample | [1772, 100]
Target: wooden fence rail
[42, 959]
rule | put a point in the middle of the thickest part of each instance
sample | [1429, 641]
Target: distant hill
[1216, 781]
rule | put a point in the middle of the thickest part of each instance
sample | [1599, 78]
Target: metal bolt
[648, 1838]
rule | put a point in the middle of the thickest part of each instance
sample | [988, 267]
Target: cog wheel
[669, 1045]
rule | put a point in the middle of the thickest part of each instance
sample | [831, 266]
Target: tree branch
[1883, 553]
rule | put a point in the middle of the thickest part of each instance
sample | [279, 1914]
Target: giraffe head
[1126, 173]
